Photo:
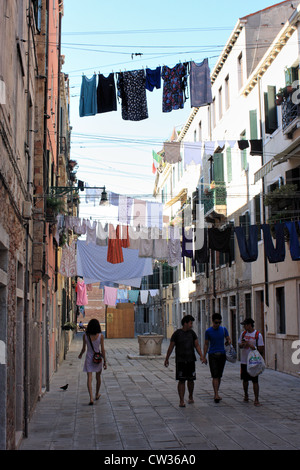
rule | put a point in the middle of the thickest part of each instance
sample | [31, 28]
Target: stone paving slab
[138, 408]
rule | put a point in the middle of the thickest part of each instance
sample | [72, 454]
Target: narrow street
[138, 408]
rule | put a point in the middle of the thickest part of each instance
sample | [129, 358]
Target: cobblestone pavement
[138, 408]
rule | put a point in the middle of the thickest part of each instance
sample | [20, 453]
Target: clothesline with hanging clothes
[101, 97]
[114, 295]
[99, 263]
[193, 151]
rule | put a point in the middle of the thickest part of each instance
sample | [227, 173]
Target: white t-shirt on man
[249, 337]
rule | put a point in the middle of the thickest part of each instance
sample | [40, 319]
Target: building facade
[247, 147]
[34, 158]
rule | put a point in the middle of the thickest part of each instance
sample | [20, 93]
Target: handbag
[255, 363]
[97, 357]
[231, 354]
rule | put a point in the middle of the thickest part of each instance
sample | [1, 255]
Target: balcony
[290, 116]
[215, 202]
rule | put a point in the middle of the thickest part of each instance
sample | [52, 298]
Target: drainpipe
[26, 279]
[266, 272]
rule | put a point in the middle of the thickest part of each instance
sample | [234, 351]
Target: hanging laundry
[91, 232]
[93, 265]
[80, 226]
[243, 144]
[60, 222]
[231, 143]
[132, 91]
[146, 243]
[88, 97]
[68, 266]
[144, 296]
[294, 241]
[209, 147]
[219, 240]
[154, 292]
[80, 290]
[122, 294]
[106, 94]
[139, 213]
[187, 246]
[201, 246]
[174, 247]
[69, 222]
[134, 238]
[248, 248]
[154, 214]
[174, 87]
[192, 153]
[110, 296]
[160, 246]
[113, 198]
[81, 310]
[114, 246]
[200, 84]
[125, 209]
[133, 296]
[101, 234]
[92, 194]
[256, 147]
[125, 242]
[153, 79]
[172, 152]
[274, 255]
[89, 287]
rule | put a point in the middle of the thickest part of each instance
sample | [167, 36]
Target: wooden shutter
[271, 122]
[253, 124]
[229, 166]
[218, 167]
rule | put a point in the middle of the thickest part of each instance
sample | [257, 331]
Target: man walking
[249, 339]
[185, 341]
[215, 337]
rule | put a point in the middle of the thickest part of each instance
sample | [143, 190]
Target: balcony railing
[290, 112]
[215, 199]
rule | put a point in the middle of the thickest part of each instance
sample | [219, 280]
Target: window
[248, 305]
[271, 122]
[253, 124]
[229, 164]
[220, 103]
[227, 93]
[214, 112]
[243, 153]
[280, 310]
[240, 71]
[257, 213]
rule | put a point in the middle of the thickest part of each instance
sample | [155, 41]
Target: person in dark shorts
[185, 342]
[249, 339]
[215, 337]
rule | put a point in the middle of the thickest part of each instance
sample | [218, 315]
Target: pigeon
[64, 387]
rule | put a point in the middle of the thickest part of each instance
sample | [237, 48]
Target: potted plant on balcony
[279, 97]
[54, 206]
[281, 202]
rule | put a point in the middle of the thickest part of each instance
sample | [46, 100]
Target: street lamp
[60, 191]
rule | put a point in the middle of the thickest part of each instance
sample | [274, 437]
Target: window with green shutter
[253, 124]
[229, 164]
[218, 172]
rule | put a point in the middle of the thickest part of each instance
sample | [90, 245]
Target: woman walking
[93, 341]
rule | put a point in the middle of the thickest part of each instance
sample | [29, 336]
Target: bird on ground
[64, 387]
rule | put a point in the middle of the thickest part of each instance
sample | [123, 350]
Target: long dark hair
[93, 327]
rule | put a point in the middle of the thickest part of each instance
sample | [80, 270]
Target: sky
[103, 36]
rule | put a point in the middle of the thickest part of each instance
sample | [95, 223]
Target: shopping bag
[255, 363]
[230, 353]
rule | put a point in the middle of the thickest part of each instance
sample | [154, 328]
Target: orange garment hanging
[125, 242]
[114, 247]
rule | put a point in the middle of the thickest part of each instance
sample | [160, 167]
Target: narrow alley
[138, 408]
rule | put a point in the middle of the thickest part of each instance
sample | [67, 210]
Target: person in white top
[249, 339]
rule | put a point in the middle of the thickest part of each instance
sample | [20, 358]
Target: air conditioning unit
[27, 209]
